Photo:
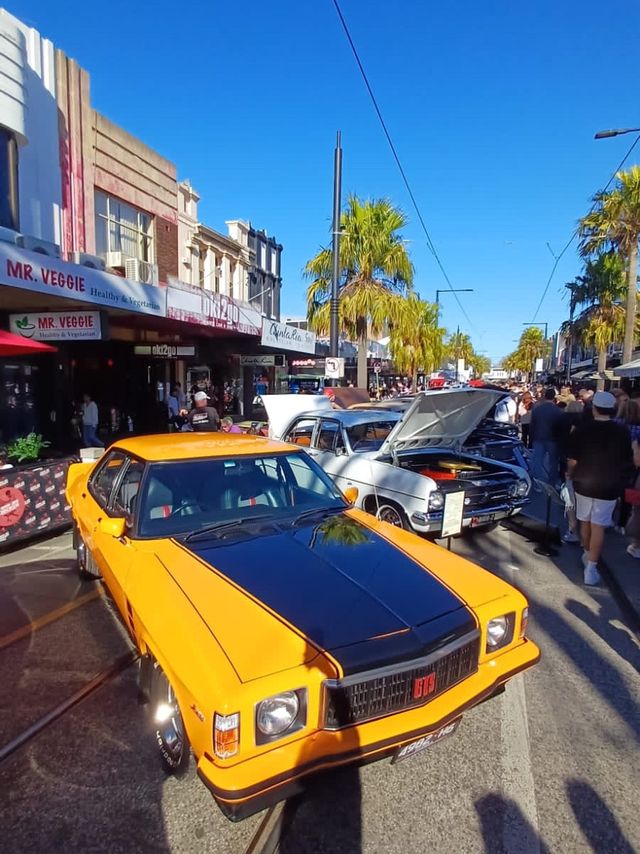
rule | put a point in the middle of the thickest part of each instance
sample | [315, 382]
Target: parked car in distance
[281, 630]
[404, 463]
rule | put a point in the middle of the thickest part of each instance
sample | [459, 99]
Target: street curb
[629, 610]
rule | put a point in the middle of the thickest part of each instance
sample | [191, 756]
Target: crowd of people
[587, 445]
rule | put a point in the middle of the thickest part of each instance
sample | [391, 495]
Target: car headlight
[281, 714]
[522, 488]
[500, 632]
[436, 500]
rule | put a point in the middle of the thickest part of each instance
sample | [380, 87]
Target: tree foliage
[531, 346]
[416, 340]
[375, 268]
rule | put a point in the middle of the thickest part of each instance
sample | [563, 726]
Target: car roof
[352, 417]
[188, 446]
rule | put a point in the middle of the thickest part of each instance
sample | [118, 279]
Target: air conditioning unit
[34, 244]
[95, 262]
[8, 235]
[141, 271]
[115, 260]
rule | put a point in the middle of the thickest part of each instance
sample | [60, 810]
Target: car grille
[349, 702]
[486, 496]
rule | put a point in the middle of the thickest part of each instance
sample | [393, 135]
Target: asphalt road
[551, 765]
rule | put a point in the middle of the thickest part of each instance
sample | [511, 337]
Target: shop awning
[629, 369]
[15, 345]
[580, 375]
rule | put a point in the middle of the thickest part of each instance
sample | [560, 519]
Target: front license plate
[483, 520]
[426, 741]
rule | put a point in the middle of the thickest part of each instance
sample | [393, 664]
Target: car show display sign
[43, 274]
[286, 337]
[32, 500]
[452, 513]
[57, 325]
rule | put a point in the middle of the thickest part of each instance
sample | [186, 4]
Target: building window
[122, 228]
[8, 180]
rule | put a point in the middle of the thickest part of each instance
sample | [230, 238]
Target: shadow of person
[618, 639]
[505, 827]
[596, 820]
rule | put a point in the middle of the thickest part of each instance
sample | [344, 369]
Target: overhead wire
[396, 157]
[577, 229]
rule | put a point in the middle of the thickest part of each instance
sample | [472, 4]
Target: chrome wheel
[87, 567]
[392, 515]
[170, 734]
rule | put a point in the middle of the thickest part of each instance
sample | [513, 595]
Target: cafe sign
[286, 337]
[57, 325]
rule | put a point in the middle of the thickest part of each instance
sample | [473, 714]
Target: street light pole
[607, 134]
[335, 247]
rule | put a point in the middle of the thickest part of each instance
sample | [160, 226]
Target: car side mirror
[351, 494]
[113, 526]
[341, 451]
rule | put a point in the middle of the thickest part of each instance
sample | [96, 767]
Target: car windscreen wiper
[316, 511]
[218, 528]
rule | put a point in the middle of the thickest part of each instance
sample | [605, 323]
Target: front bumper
[428, 523]
[260, 781]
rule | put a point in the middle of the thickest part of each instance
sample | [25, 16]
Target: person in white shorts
[600, 463]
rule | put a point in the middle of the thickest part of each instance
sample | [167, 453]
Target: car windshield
[370, 435]
[185, 496]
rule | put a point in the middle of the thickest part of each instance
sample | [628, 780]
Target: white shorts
[595, 510]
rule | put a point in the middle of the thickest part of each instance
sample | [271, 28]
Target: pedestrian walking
[524, 417]
[90, 421]
[544, 432]
[599, 463]
[202, 418]
[632, 498]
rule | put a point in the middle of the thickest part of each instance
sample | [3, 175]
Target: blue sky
[492, 107]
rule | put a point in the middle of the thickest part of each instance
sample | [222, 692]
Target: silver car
[404, 464]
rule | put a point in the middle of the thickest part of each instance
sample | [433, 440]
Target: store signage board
[261, 360]
[452, 513]
[165, 351]
[285, 337]
[333, 368]
[32, 271]
[192, 304]
[57, 325]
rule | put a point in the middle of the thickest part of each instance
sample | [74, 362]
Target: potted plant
[27, 449]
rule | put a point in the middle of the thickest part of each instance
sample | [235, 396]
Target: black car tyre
[171, 738]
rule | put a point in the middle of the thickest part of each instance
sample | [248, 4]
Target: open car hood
[283, 408]
[439, 419]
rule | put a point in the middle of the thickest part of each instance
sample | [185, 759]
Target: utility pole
[335, 248]
[570, 339]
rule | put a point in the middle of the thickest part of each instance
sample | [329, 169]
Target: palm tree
[531, 346]
[375, 267]
[480, 364]
[459, 346]
[416, 341]
[614, 223]
[600, 293]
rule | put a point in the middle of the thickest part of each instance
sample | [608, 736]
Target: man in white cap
[202, 418]
[600, 462]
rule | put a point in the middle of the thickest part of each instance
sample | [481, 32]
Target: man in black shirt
[202, 418]
[546, 418]
[600, 462]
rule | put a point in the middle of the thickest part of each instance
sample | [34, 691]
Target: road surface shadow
[596, 820]
[619, 640]
[505, 828]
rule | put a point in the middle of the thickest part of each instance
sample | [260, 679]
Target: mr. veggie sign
[32, 271]
[57, 325]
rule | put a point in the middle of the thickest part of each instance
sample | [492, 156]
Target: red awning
[16, 345]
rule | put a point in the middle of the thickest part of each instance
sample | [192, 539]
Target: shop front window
[8, 180]
[122, 228]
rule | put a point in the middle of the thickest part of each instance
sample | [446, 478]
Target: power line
[577, 229]
[376, 107]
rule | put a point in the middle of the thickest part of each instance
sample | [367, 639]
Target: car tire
[171, 737]
[87, 567]
[388, 511]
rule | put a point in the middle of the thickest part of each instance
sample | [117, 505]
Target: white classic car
[403, 464]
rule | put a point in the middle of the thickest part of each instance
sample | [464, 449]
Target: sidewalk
[624, 569]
